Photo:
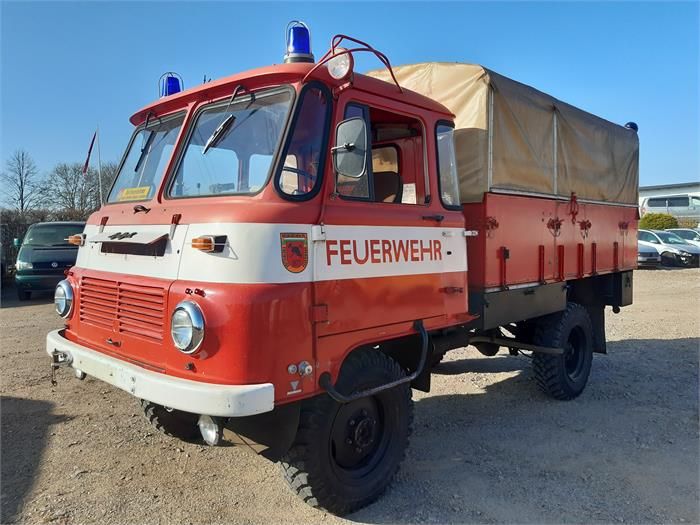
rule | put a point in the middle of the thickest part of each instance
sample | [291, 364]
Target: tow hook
[59, 359]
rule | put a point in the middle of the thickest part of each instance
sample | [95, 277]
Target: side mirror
[350, 151]
[16, 242]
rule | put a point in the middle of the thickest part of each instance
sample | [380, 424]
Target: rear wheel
[564, 376]
[345, 455]
[173, 423]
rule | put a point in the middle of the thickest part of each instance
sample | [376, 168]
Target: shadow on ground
[24, 435]
[9, 297]
[625, 450]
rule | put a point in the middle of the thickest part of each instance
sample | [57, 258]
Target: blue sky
[67, 67]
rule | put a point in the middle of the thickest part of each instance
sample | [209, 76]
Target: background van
[684, 205]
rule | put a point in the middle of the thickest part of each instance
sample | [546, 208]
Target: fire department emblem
[295, 251]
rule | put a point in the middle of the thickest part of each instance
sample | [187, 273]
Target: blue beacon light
[170, 83]
[298, 43]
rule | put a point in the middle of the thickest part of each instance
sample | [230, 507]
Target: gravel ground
[487, 446]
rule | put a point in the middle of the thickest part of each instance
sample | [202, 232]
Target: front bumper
[38, 282]
[648, 261]
[181, 394]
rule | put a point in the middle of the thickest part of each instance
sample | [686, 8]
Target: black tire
[564, 376]
[173, 423]
[23, 295]
[669, 259]
[345, 455]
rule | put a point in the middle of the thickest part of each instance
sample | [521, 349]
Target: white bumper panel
[173, 392]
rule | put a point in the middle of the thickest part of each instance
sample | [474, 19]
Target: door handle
[436, 218]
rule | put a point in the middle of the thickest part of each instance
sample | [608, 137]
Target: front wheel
[564, 376]
[669, 259]
[345, 455]
[23, 295]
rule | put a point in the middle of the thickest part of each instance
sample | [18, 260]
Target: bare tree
[21, 184]
[109, 172]
[68, 190]
[74, 195]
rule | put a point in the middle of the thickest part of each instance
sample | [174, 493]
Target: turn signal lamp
[205, 243]
[298, 43]
[341, 64]
[170, 83]
[77, 240]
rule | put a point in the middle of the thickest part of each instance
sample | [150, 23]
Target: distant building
[669, 189]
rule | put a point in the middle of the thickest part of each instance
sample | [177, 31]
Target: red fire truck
[286, 252]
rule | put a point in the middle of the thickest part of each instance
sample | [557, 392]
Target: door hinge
[319, 313]
[318, 233]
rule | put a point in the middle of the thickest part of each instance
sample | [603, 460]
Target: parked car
[673, 250]
[44, 255]
[689, 235]
[685, 205]
[647, 255]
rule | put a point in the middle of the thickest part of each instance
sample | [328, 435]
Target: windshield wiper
[145, 148]
[219, 133]
[225, 125]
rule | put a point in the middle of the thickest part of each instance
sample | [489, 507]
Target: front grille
[647, 254]
[123, 307]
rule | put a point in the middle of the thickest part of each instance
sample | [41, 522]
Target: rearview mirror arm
[348, 146]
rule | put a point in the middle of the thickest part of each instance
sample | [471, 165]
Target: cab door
[386, 240]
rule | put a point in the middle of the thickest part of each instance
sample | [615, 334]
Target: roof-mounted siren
[298, 43]
[169, 84]
[633, 126]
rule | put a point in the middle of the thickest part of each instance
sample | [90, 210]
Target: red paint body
[255, 330]
[534, 251]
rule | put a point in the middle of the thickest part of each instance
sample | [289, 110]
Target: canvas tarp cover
[511, 137]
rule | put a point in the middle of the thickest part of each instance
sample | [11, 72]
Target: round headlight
[63, 299]
[187, 327]
[340, 66]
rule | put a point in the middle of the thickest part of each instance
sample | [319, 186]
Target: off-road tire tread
[169, 424]
[299, 465]
[548, 332]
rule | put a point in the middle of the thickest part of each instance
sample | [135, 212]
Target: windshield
[232, 144]
[51, 234]
[145, 161]
[689, 235]
[670, 238]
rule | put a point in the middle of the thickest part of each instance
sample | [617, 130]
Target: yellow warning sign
[134, 194]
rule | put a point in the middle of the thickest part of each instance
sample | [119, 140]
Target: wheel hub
[356, 433]
[364, 434]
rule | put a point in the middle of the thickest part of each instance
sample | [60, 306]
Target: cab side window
[304, 155]
[395, 159]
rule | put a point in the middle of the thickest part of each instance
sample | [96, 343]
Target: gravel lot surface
[487, 446]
